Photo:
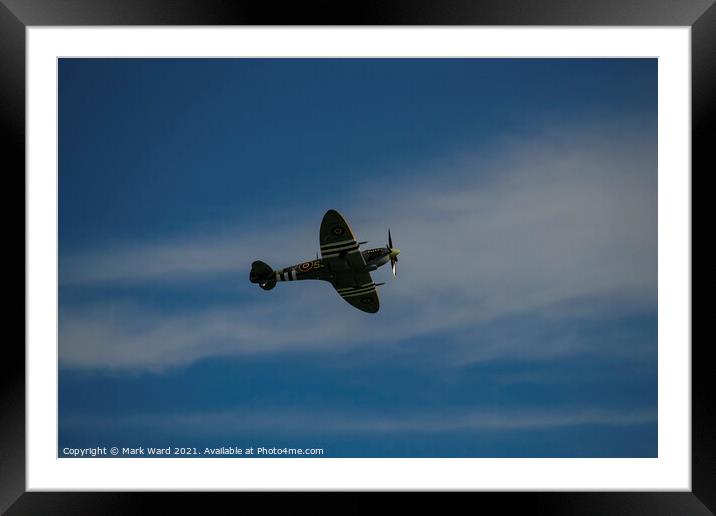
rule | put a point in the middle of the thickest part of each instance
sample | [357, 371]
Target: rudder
[262, 274]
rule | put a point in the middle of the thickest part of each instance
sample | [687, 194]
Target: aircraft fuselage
[329, 269]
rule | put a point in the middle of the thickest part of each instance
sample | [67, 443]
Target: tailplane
[262, 274]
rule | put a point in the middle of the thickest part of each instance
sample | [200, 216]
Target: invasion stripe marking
[344, 296]
[360, 287]
[336, 247]
[339, 249]
[293, 273]
[369, 291]
[347, 251]
[358, 291]
[333, 255]
[334, 244]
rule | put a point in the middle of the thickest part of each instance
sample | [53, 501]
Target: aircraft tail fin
[262, 274]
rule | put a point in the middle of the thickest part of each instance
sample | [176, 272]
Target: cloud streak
[550, 227]
[222, 423]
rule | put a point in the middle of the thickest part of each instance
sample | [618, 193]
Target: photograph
[357, 258]
[424, 248]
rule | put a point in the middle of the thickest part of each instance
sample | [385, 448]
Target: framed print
[533, 335]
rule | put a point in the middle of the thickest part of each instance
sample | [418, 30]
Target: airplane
[342, 264]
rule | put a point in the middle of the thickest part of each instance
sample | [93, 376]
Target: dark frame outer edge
[16, 15]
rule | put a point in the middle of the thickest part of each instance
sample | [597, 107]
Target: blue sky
[522, 193]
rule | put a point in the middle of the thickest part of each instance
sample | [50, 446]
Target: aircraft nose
[394, 251]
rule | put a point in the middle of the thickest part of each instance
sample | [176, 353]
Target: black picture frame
[16, 15]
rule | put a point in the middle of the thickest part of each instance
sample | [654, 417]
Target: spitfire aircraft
[342, 264]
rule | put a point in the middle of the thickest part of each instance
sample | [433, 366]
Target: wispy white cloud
[548, 226]
[236, 422]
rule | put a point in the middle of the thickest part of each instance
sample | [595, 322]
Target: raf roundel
[338, 231]
[305, 267]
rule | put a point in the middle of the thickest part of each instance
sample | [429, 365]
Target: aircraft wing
[362, 294]
[337, 238]
[339, 249]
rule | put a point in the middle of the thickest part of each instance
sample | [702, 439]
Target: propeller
[393, 255]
